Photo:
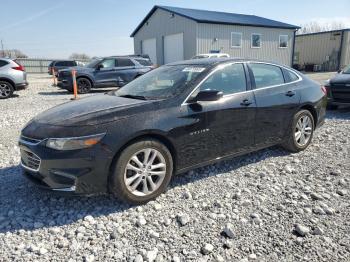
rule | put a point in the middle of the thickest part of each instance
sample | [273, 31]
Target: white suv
[12, 77]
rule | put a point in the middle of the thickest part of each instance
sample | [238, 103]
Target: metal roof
[213, 17]
[325, 32]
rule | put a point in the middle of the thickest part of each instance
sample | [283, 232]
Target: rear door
[125, 71]
[277, 100]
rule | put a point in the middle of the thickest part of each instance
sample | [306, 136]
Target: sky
[56, 29]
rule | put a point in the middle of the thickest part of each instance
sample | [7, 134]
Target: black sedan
[338, 89]
[176, 118]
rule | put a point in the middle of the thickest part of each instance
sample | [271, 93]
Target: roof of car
[218, 60]
[214, 17]
[208, 61]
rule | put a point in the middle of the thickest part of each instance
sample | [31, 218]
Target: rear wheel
[84, 85]
[6, 89]
[142, 172]
[301, 132]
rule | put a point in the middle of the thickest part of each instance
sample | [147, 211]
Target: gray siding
[269, 50]
[321, 49]
[161, 24]
[345, 59]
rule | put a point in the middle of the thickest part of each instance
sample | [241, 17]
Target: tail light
[19, 67]
[324, 89]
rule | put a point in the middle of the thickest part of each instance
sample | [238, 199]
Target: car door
[125, 71]
[276, 102]
[104, 73]
[230, 120]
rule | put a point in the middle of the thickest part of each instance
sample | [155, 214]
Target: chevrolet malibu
[181, 116]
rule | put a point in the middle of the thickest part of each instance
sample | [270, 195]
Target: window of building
[266, 75]
[283, 41]
[229, 80]
[236, 40]
[256, 40]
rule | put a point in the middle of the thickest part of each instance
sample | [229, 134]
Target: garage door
[149, 47]
[173, 48]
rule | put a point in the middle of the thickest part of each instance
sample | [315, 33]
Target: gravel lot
[266, 206]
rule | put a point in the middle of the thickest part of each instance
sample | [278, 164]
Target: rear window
[65, 63]
[266, 75]
[144, 62]
[3, 63]
[290, 76]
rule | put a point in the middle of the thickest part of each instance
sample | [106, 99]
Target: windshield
[163, 82]
[346, 70]
[93, 63]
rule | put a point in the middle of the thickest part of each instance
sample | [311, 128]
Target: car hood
[93, 110]
[340, 79]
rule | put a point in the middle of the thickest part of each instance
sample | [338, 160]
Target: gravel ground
[265, 206]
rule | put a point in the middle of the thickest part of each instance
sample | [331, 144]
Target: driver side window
[229, 80]
[108, 63]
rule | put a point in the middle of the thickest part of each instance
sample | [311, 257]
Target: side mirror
[208, 95]
[99, 67]
[339, 71]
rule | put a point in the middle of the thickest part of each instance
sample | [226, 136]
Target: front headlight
[73, 143]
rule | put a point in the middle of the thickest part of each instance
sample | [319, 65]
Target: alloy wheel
[303, 130]
[5, 90]
[145, 172]
[84, 86]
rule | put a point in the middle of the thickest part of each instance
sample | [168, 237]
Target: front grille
[340, 93]
[29, 160]
[64, 73]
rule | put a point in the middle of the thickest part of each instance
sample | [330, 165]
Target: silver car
[12, 77]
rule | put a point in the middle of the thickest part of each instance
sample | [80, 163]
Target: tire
[6, 89]
[138, 174]
[84, 85]
[332, 107]
[293, 144]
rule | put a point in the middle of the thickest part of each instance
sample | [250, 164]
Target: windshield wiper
[134, 97]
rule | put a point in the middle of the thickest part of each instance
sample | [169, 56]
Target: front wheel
[84, 85]
[142, 172]
[301, 132]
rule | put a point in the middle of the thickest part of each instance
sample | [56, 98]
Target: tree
[13, 53]
[77, 56]
[314, 27]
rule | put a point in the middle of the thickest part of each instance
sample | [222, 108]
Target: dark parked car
[60, 64]
[338, 89]
[105, 72]
[178, 117]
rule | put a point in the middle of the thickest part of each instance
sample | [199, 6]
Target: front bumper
[21, 86]
[65, 84]
[81, 172]
[332, 101]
